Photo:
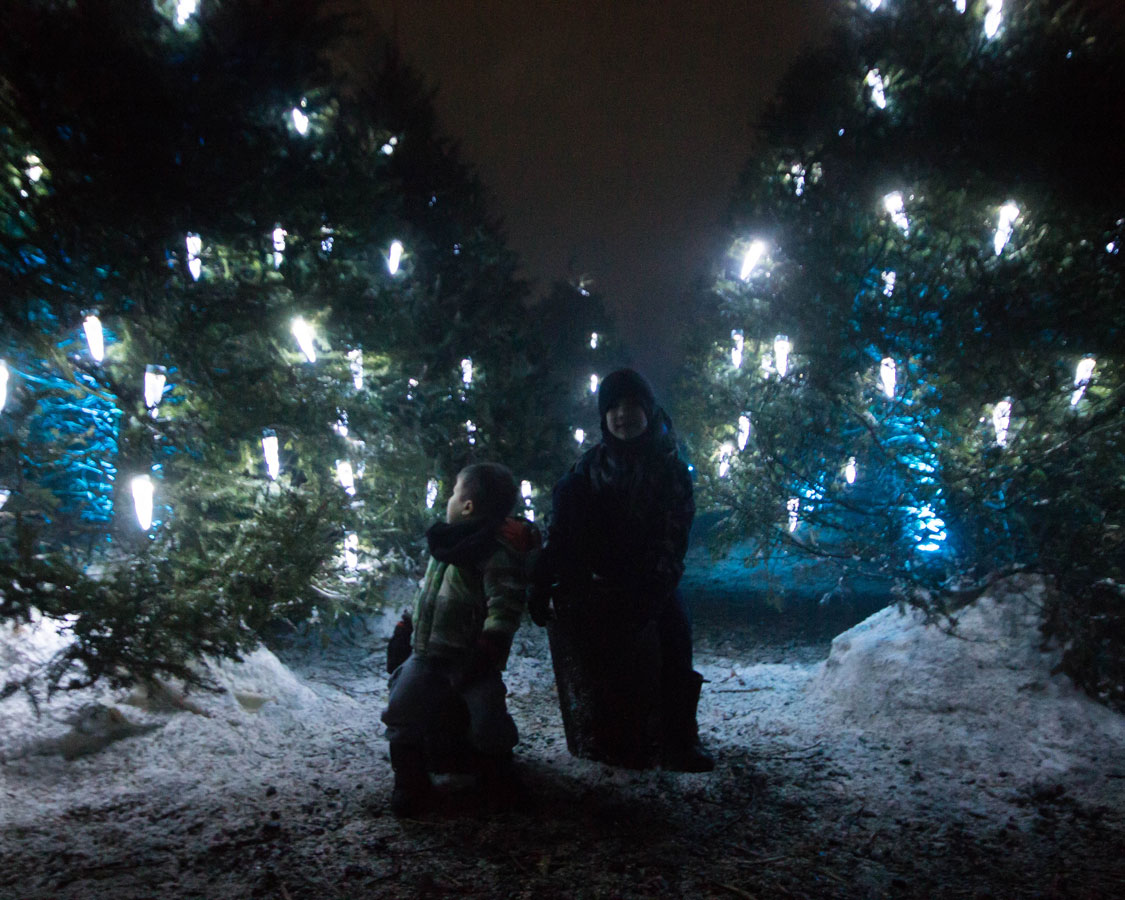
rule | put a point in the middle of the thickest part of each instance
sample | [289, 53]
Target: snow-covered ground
[910, 762]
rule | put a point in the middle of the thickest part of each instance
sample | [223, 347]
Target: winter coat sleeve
[505, 587]
[666, 563]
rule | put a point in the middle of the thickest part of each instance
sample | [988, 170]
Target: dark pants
[426, 712]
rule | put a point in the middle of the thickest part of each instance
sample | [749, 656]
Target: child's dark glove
[398, 647]
[486, 656]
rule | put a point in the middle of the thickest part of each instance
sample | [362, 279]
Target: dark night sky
[610, 132]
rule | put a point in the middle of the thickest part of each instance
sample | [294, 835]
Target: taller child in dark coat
[621, 518]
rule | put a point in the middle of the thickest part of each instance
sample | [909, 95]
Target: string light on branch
[889, 279]
[4, 377]
[431, 493]
[887, 374]
[351, 550]
[355, 363]
[300, 120]
[95, 338]
[306, 337]
[194, 245]
[1008, 215]
[873, 4]
[270, 452]
[850, 470]
[471, 431]
[743, 431]
[5, 494]
[143, 491]
[394, 257]
[993, 17]
[750, 260]
[345, 476]
[725, 453]
[1082, 376]
[1001, 420]
[155, 377]
[593, 340]
[278, 238]
[932, 529]
[185, 9]
[593, 384]
[525, 490]
[580, 436]
[781, 349]
[34, 169]
[736, 350]
[389, 147]
[960, 5]
[896, 209]
[878, 94]
[793, 507]
[466, 371]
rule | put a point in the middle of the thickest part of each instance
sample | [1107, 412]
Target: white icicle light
[1001, 419]
[305, 336]
[394, 257]
[873, 4]
[345, 476]
[960, 4]
[95, 339]
[431, 493]
[278, 237]
[593, 340]
[580, 435]
[300, 121]
[736, 350]
[466, 371]
[1082, 376]
[185, 9]
[155, 377]
[593, 384]
[850, 470]
[1008, 214]
[993, 18]
[4, 376]
[889, 279]
[471, 431]
[781, 348]
[793, 507]
[270, 452]
[525, 490]
[143, 491]
[355, 363]
[896, 208]
[875, 81]
[743, 431]
[34, 169]
[4, 495]
[351, 550]
[341, 425]
[725, 453]
[887, 373]
[750, 261]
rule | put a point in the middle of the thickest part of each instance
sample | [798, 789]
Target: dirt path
[294, 806]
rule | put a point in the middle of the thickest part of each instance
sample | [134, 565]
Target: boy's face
[460, 504]
[626, 420]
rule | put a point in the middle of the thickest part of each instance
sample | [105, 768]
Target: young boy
[447, 699]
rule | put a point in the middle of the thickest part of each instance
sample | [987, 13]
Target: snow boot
[499, 781]
[681, 750]
[412, 781]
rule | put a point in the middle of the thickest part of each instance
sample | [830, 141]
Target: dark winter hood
[473, 541]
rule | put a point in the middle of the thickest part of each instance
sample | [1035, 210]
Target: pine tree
[309, 319]
[915, 367]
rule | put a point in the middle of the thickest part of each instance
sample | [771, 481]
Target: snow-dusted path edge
[910, 764]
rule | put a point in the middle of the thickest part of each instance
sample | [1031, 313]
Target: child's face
[460, 504]
[626, 420]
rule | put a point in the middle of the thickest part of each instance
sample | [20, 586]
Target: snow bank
[980, 694]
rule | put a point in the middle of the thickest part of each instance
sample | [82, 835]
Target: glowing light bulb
[793, 507]
[143, 491]
[525, 490]
[305, 336]
[466, 371]
[887, 373]
[270, 452]
[850, 470]
[1008, 214]
[278, 238]
[300, 121]
[594, 340]
[781, 348]
[580, 435]
[471, 431]
[95, 338]
[351, 550]
[431, 493]
[4, 376]
[873, 4]
[960, 4]
[896, 208]
[725, 453]
[394, 257]
[878, 95]
[345, 476]
[889, 279]
[389, 147]
[34, 169]
[753, 256]
[992, 18]
[4, 495]
[185, 9]
[1082, 376]
[1001, 419]
[743, 431]
[341, 426]
[155, 376]
[736, 350]
[593, 384]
